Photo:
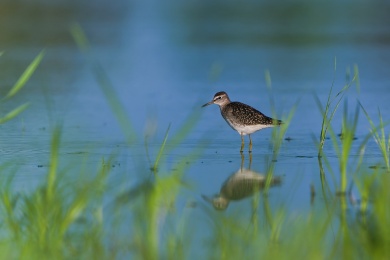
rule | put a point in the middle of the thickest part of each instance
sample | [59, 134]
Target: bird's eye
[219, 97]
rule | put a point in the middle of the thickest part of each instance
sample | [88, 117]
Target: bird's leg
[250, 161]
[242, 144]
[242, 160]
[250, 144]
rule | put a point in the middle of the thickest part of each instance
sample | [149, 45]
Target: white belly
[247, 129]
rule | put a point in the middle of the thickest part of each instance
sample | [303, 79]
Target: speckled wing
[247, 115]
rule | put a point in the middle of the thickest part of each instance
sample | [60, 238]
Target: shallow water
[165, 61]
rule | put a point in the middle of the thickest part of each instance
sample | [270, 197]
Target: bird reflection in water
[241, 184]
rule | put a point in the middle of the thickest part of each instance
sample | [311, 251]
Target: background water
[167, 59]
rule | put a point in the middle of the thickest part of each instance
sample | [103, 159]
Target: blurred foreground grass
[71, 219]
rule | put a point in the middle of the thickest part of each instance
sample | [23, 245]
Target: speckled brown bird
[243, 118]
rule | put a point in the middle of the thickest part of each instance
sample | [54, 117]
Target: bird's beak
[209, 103]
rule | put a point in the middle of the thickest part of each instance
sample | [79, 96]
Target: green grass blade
[356, 78]
[115, 103]
[160, 152]
[105, 85]
[185, 129]
[14, 113]
[278, 134]
[25, 76]
[325, 112]
[79, 37]
[54, 154]
[378, 133]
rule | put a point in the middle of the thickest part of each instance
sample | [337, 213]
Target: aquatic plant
[278, 133]
[46, 223]
[378, 132]
[343, 149]
[20, 83]
[332, 103]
